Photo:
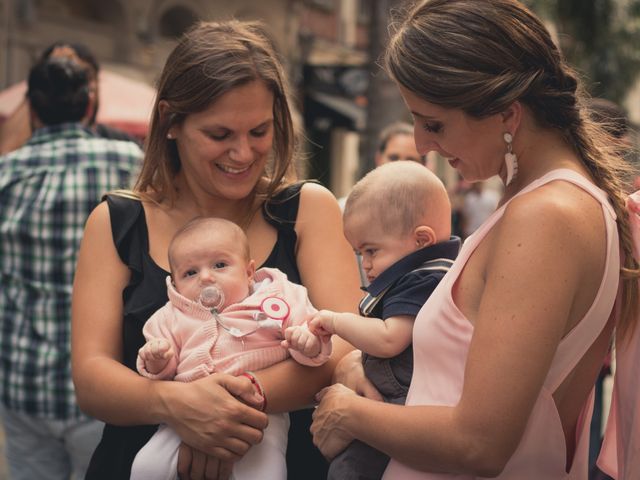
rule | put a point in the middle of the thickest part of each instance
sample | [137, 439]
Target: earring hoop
[510, 160]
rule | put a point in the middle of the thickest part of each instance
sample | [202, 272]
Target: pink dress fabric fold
[441, 339]
[620, 455]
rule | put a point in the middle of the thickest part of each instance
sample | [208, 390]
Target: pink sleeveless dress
[441, 339]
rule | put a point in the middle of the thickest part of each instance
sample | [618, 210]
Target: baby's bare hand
[323, 323]
[156, 349]
[302, 340]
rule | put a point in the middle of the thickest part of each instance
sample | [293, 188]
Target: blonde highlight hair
[480, 56]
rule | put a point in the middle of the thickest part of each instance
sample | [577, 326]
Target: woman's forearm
[290, 386]
[142, 401]
[426, 438]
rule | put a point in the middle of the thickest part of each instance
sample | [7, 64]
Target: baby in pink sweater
[224, 316]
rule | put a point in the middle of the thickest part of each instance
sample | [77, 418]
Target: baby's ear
[424, 236]
[251, 270]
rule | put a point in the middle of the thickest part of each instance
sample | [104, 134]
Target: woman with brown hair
[221, 144]
[508, 347]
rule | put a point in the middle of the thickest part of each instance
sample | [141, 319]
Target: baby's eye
[190, 273]
[432, 127]
[219, 265]
[370, 252]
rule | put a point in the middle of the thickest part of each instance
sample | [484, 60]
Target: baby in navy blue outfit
[398, 219]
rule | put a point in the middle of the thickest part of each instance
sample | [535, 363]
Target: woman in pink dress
[508, 347]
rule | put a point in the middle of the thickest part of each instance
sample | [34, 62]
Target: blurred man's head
[396, 142]
[58, 92]
[82, 55]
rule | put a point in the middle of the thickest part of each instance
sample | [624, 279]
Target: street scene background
[330, 47]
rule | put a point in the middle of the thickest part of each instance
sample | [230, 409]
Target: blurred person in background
[615, 122]
[396, 142]
[479, 201]
[48, 187]
[16, 129]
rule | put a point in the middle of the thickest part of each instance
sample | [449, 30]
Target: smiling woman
[225, 153]
[221, 144]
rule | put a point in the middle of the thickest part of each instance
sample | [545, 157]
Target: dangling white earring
[169, 136]
[510, 159]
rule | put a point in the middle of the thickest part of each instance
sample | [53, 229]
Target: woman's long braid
[602, 157]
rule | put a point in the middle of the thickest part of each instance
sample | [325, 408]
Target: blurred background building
[331, 48]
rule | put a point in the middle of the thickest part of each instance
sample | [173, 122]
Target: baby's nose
[206, 276]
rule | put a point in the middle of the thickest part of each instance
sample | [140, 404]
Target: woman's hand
[195, 465]
[329, 431]
[350, 373]
[208, 415]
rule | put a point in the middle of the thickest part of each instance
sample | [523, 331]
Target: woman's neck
[540, 151]
[192, 203]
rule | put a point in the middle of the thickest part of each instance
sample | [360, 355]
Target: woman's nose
[241, 151]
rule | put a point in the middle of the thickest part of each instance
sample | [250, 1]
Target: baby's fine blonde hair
[398, 197]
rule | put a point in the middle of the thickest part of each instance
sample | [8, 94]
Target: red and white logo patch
[275, 307]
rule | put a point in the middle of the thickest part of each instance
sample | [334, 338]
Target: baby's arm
[155, 355]
[306, 347]
[381, 338]
[158, 357]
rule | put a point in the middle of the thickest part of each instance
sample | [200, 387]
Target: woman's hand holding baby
[330, 433]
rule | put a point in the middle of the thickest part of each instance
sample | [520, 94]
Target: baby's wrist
[336, 320]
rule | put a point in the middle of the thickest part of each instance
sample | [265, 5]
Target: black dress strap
[282, 209]
[125, 218]
[281, 212]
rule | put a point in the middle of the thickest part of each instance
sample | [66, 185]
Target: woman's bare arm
[329, 271]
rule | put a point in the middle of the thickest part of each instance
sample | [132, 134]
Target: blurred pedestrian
[396, 142]
[478, 203]
[16, 129]
[48, 187]
[614, 120]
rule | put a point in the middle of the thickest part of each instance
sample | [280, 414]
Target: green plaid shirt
[47, 190]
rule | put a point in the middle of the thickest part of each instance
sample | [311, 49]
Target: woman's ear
[424, 236]
[164, 110]
[511, 117]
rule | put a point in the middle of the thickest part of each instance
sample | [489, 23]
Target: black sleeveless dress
[146, 292]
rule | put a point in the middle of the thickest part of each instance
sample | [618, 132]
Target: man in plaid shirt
[47, 190]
